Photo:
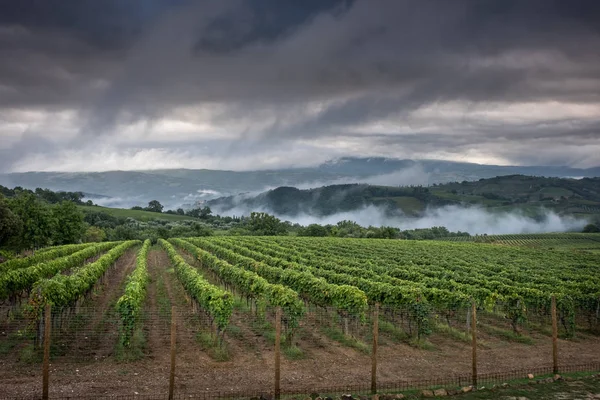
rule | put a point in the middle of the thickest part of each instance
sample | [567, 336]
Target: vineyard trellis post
[374, 352]
[173, 344]
[554, 336]
[474, 340]
[277, 352]
[46, 364]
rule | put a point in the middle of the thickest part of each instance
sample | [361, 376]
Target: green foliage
[314, 230]
[250, 283]
[346, 298]
[65, 290]
[420, 312]
[45, 195]
[129, 305]
[201, 213]
[69, 223]
[10, 224]
[154, 206]
[591, 228]
[264, 224]
[217, 302]
[293, 353]
[421, 277]
[94, 234]
[336, 334]
[42, 255]
[37, 219]
[21, 277]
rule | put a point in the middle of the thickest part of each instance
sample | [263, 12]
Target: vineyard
[577, 241]
[115, 305]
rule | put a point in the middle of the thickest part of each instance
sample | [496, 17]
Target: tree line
[31, 219]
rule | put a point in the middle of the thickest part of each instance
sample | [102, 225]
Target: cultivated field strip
[131, 302]
[545, 240]
[218, 303]
[426, 270]
[310, 286]
[444, 275]
[15, 282]
[64, 290]
[248, 282]
[42, 255]
[543, 268]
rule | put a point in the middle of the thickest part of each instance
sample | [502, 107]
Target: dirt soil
[251, 366]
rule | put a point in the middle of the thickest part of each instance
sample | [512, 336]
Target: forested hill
[176, 187]
[565, 196]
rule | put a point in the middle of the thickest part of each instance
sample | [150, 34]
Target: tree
[11, 225]
[37, 218]
[314, 230]
[154, 206]
[348, 228]
[94, 234]
[261, 223]
[201, 230]
[591, 228]
[205, 212]
[69, 223]
[202, 213]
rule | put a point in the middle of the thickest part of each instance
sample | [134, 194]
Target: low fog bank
[479, 221]
[128, 202]
[473, 220]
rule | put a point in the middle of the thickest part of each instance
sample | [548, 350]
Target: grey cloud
[269, 64]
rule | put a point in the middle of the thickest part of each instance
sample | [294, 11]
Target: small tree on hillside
[154, 206]
[591, 228]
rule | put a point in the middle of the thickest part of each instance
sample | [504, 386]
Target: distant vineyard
[556, 240]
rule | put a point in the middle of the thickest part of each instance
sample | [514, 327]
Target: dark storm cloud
[307, 69]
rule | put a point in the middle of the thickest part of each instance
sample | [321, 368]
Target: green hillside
[579, 197]
[139, 215]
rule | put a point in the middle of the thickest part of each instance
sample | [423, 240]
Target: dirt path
[157, 320]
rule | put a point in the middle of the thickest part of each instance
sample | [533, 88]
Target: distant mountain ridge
[188, 186]
[506, 193]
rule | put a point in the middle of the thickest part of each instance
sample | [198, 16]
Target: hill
[139, 215]
[174, 187]
[507, 193]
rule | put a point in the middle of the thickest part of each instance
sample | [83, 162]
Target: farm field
[112, 308]
[561, 241]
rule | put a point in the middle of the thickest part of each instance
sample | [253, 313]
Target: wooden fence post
[374, 351]
[173, 344]
[474, 340]
[46, 364]
[554, 337]
[277, 352]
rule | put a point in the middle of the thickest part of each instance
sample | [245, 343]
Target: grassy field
[136, 214]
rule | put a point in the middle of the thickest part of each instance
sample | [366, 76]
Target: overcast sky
[89, 85]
